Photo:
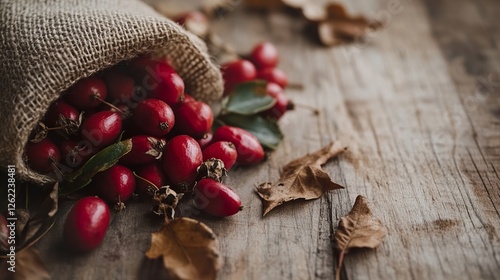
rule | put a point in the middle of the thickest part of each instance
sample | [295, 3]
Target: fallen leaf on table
[358, 229]
[302, 178]
[340, 27]
[30, 227]
[189, 249]
[29, 266]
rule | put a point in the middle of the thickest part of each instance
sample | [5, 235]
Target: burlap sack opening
[47, 45]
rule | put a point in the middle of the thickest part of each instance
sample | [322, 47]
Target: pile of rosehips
[142, 100]
[260, 65]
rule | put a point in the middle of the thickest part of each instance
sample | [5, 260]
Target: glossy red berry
[205, 141]
[145, 149]
[159, 79]
[264, 55]
[154, 117]
[74, 153]
[273, 75]
[87, 93]
[282, 102]
[86, 224]
[42, 156]
[222, 150]
[194, 119]
[237, 72]
[188, 98]
[247, 145]
[153, 173]
[181, 159]
[59, 113]
[115, 184]
[101, 128]
[216, 199]
[121, 87]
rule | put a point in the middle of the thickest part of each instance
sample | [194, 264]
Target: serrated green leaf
[266, 130]
[101, 161]
[248, 99]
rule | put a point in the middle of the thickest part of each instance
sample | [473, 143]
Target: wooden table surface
[418, 105]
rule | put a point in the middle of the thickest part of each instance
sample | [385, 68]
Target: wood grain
[419, 107]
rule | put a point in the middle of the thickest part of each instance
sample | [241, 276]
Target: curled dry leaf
[358, 229]
[189, 249]
[336, 26]
[30, 227]
[302, 178]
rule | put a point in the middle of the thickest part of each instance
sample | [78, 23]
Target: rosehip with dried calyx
[282, 104]
[273, 75]
[62, 115]
[145, 149]
[264, 55]
[115, 185]
[222, 150]
[87, 93]
[42, 156]
[154, 117]
[216, 199]
[237, 72]
[86, 224]
[248, 147]
[102, 128]
[194, 119]
[150, 177]
[181, 158]
[74, 153]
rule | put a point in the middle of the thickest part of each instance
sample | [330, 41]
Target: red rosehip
[264, 55]
[222, 150]
[58, 112]
[159, 79]
[194, 119]
[145, 149]
[115, 184]
[74, 153]
[42, 156]
[273, 75]
[282, 102]
[237, 72]
[216, 199]
[188, 98]
[101, 128]
[181, 159]
[152, 172]
[205, 141]
[87, 93]
[247, 145]
[121, 88]
[86, 224]
[154, 117]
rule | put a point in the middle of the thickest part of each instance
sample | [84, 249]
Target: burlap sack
[47, 45]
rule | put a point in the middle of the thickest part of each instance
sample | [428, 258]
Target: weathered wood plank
[418, 106]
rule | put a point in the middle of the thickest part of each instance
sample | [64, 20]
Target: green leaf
[103, 160]
[248, 99]
[266, 130]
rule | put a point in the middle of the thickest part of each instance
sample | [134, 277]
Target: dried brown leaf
[339, 26]
[29, 266]
[358, 229]
[302, 178]
[189, 249]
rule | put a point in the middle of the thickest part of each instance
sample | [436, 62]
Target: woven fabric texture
[47, 45]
